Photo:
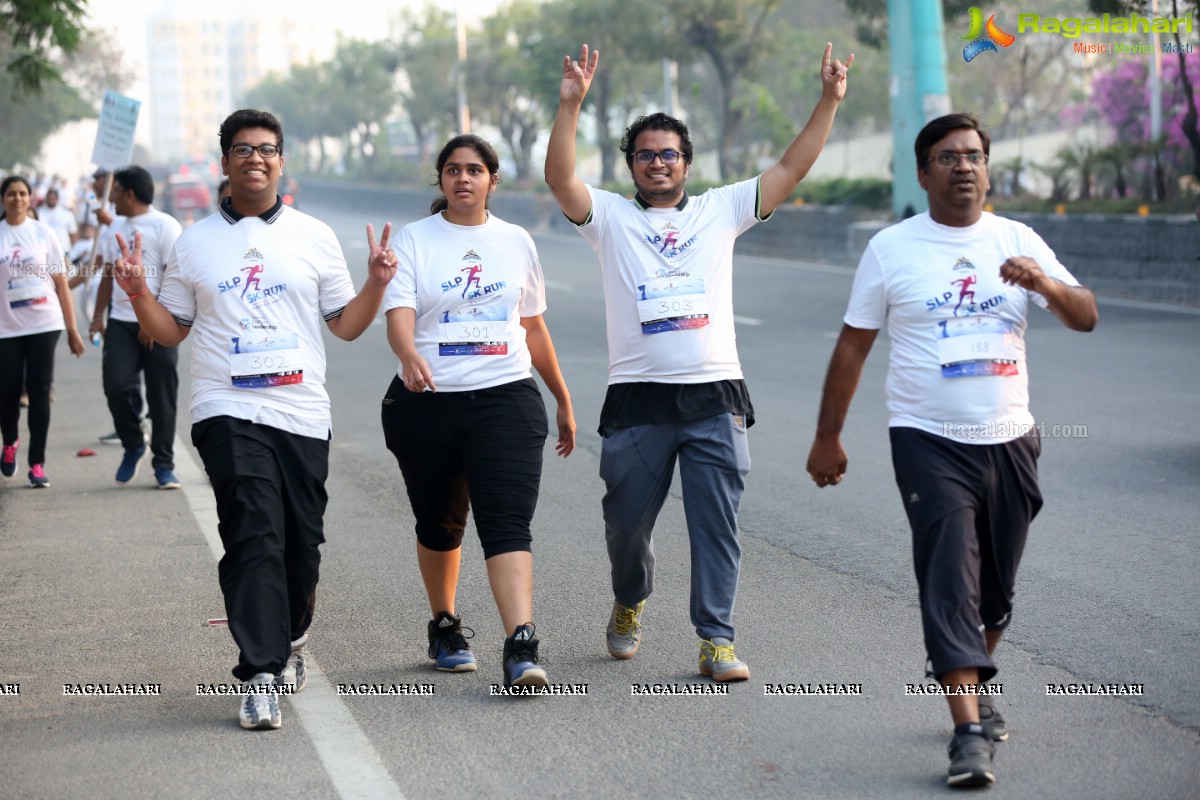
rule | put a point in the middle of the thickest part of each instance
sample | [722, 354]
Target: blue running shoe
[521, 659]
[130, 463]
[166, 479]
[448, 646]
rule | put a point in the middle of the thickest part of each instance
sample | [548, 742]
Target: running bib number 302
[261, 361]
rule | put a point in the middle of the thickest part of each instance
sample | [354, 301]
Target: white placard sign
[114, 137]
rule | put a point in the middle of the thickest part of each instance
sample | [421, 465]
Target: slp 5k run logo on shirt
[669, 242]
[250, 281]
[471, 279]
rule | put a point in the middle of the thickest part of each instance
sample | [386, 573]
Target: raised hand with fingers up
[577, 76]
[128, 271]
[833, 74]
[381, 263]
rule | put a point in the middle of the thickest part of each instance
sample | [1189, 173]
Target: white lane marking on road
[559, 285]
[755, 321]
[351, 762]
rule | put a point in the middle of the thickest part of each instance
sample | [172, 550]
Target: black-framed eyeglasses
[648, 156]
[950, 158]
[264, 150]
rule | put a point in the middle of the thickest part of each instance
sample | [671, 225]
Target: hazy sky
[68, 152]
[364, 19]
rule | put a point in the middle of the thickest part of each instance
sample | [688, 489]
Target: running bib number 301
[474, 331]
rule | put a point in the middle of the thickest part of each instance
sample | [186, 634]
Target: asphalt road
[108, 584]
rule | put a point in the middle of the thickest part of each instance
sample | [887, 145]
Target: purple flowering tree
[1123, 104]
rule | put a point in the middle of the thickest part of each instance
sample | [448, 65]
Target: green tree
[506, 70]
[795, 85]
[737, 40]
[72, 93]
[363, 93]
[630, 37]
[1059, 173]
[37, 31]
[1115, 161]
[303, 102]
[872, 17]
[1081, 160]
[428, 57]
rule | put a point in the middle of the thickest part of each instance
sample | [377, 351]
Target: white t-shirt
[87, 209]
[470, 286]
[30, 255]
[957, 363]
[159, 232]
[61, 221]
[256, 294]
[668, 283]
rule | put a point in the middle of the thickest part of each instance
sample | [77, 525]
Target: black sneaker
[448, 646]
[521, 659]
[971, 754]
[991, 719]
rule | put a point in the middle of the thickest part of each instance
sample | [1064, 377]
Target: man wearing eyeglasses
[964, 444]
[676, 391]
[261, 416]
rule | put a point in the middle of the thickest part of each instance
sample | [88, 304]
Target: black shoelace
[452, 639]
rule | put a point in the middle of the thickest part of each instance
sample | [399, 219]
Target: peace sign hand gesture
[128, 271]
[833, 74]
[577, 76]
[381, 263]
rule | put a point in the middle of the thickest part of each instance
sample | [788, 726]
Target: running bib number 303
[260, 361]
[672, 304]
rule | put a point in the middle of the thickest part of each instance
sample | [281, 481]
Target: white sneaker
[259, 708]
[294, 674]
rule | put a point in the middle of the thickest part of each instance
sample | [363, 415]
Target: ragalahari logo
[984, 37]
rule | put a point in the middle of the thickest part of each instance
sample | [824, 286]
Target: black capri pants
[479, 450]
[969, 506]
[27, 361]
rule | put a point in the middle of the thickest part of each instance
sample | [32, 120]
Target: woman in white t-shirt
[463, 416]
[35, 306]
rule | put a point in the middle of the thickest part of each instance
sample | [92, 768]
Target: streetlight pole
[464, 110]
[1155, 89]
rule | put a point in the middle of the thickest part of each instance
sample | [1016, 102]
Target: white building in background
[201, 61]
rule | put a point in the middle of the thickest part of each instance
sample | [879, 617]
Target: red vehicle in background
[187, 197]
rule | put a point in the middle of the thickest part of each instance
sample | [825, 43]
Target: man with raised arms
[676, 392]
